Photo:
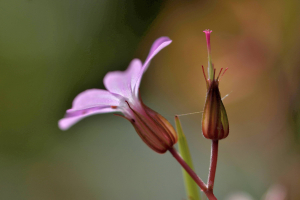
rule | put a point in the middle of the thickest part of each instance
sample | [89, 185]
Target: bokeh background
[52, 50]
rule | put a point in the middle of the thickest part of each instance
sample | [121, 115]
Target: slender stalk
[191, 187]
[213, 164]
[194, 176]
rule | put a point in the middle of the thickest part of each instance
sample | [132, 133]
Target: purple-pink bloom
[122, 95]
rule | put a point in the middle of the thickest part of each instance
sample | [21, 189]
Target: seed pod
[215, 124]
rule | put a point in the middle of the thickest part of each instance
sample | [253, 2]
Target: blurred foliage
[52, 50]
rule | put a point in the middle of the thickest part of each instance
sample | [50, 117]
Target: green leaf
[190, 186]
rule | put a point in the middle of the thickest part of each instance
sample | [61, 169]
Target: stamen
[114, 107]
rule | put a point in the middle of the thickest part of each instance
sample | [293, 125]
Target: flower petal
[121, 82]
[71, 119]
[157, 46]
[89, 102]
[94, 98]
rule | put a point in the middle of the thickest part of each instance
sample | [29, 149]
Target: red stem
[194, 176]
[213, 164]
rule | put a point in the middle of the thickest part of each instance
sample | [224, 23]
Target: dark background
[52, 50]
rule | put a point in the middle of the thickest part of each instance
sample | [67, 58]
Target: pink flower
[122, 95]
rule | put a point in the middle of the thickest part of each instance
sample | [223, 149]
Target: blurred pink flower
[122, 95]
[276, 192]
[239, 196]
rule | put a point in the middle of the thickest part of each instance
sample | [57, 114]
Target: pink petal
[157, 46]
[89, 102]
[67, 122]
[94, 98]
[121, 82]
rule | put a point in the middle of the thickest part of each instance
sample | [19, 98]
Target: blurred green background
[52, 50]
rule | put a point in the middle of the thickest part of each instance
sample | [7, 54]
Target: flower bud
[153, 128]
[215, 124]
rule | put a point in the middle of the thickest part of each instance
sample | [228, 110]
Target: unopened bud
[215, 124]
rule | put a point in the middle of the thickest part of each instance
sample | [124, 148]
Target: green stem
[191, 187]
